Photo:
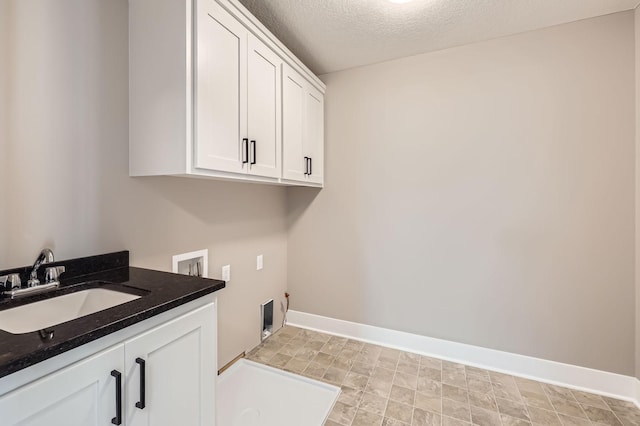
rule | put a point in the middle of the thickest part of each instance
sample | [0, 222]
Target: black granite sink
[156, 292]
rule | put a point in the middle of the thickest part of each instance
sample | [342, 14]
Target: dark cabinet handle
[310, 166]
[141, 404]
[306, 165]
[117, 420]
[253, 148]
[245, 151]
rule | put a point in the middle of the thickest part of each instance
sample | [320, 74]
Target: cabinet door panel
[314, 133]
[220, 89]
[82, 394]
[293, 96]
[180, 367]
[264, 108]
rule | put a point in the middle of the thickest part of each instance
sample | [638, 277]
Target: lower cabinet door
[83, 394]
[171, 372]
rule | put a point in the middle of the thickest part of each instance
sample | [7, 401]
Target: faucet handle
[52, 274]
[11, 281]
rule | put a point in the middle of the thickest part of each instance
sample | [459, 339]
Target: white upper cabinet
[303, 129]
[314, 134]
[264, 110]
[212, 94]
[220, 90]
[294, 163]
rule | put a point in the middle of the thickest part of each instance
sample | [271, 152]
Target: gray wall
[482, 194]
[64, 165]
[637, 247]
[4, 43]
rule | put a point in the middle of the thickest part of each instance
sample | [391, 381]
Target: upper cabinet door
[294, 164]
[314, 134]
[264, 109]
[83, 394]
[221, 90]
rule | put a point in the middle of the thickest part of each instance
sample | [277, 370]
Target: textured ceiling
[331, 35]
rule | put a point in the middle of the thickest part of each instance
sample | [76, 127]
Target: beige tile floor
[382, 386]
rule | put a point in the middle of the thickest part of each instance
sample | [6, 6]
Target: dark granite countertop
[159, 291]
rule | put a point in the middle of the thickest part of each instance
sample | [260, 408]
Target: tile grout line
[524, 403]
[526, 406]
[616, 416]
[393, 379]
[441, 399]
[441, 407]
[357, 407]
[546, 392]
[468, 399]
[496, 398]
[466, 381]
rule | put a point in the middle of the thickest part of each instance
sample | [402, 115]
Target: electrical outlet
[226, 273]
[259, 262]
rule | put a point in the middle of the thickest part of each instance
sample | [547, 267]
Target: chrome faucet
[12, 286]
[46, 256]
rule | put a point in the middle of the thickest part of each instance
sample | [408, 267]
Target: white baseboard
[572, 376]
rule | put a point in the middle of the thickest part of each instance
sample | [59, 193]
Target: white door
[83, 394]
[220, 90]
[314, 134]
[264, 109]
[180, 368]
[294, 164]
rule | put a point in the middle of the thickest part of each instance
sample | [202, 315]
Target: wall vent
[266, 316]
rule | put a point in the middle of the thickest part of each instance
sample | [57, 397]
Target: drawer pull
[141, 404]
[245, 151]
[117, 420]
[253, 148]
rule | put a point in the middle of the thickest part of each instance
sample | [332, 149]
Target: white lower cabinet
[83, 394]
[179, 362]
[177, 386]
